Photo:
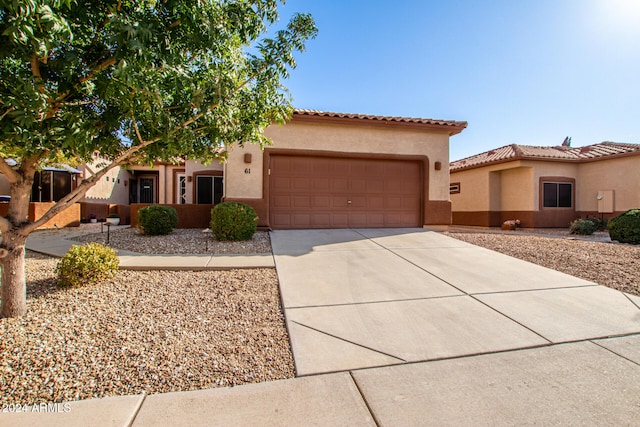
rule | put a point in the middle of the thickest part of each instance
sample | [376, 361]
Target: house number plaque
[247, 170]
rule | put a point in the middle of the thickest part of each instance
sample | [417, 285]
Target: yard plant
[138, 82]
[86, 265]
[157, 220]
[233, 221]
[625, 228]
[585, 227]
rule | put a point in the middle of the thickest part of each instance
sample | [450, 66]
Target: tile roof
[531, 152]
[456, 126]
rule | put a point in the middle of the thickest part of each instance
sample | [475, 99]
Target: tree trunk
[14, 286]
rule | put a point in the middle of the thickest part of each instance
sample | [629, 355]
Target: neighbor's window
[557, 194]
[454, 188]
[208, 189]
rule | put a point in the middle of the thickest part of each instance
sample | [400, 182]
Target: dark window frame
[454, 188]
[557, 193]
[217, 188]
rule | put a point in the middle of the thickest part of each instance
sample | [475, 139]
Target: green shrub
[86, 265]
[600, 224]
[157, 220]
[233, 221]
[583, 227]
[625, 228]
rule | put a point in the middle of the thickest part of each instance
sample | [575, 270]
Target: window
[50, 186]
[454, 188]
[557, 194]
[208, 189]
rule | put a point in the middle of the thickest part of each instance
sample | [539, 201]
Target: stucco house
[545, 186]
[323, 170]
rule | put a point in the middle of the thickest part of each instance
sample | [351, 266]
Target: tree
[136, 80]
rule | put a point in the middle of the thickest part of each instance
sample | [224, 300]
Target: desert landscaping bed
[180, 241]
[610, 264]
[149, 332]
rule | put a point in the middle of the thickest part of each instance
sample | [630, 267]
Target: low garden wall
[70, 217]
[189, 216]
[102, 210]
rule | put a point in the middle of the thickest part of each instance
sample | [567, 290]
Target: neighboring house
[50, 183]
[323, 170]
[545, 186]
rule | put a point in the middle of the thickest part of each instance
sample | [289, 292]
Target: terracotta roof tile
[451, 123]
[531, 152]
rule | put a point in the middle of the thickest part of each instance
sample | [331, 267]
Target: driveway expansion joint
[364, 399]
[348, 341]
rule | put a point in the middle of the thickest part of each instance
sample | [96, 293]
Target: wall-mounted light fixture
[247, 157]
[189, 178]
[437, 166]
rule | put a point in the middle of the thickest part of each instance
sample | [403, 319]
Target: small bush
[157, 220]
[583, 227]
[600, 224]
[625, 228]
[233, 221]
[86, 265]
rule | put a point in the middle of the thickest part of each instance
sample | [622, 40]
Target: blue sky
[519, 71]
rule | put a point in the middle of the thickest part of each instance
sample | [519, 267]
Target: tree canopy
[136, 80]
[173, 78]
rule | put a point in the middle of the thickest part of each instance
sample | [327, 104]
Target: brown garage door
[332, 192]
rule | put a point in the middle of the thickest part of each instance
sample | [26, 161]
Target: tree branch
[7, 112]
[10, 173]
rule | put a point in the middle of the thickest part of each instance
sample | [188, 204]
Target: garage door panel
[281, 201]
[300, 165]
[359, 185]
[321, 185]
[281, 183]
[375, 185]
[357, 202]
[301, 184]
[410, 203]
[340, 185]
[321, 201]
[314, 192]
[339, 202]
[303, 202]
[376, 203]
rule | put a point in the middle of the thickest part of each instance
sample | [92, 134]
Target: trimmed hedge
[157, 220]
[233, 221]
[625, 228]
[86, 265]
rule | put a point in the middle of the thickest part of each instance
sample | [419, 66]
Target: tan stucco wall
[341, 138]
[244, 180]
[621, 175]
[504, 186]
[110, 188]
[517, 190]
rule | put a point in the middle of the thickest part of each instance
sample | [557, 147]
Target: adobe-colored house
[323, 170]
[545, 186]
[332, 170]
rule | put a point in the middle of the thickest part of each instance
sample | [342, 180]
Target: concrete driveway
[434, 331]
[365, 298]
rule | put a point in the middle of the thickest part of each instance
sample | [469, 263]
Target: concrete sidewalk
[410, 327]
[58, 242]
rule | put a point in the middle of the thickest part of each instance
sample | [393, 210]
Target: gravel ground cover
[152, 332]
[180, 241]
[610, 264]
